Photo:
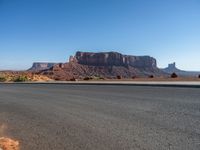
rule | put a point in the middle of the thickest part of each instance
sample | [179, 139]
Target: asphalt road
[100, 117]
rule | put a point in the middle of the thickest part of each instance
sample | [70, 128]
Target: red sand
[8, 144]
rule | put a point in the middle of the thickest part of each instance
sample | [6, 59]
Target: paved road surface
[92, 117]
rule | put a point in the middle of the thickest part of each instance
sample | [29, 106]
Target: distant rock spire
[172, 65]
[72, 59]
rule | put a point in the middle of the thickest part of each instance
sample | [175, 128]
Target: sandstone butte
[105, 65]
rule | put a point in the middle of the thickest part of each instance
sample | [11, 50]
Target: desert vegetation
[93, 78]
[119, 77]
[133, 77]
[174, 75]
[151, 76]
[87, 78]
[72, 79]
[2, 78]
[21, 78]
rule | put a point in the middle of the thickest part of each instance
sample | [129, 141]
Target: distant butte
[173, 69]
[104, 65]
[38, 66]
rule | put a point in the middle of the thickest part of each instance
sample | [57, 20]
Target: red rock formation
[100, 59]
[115, 59]
[106, 65]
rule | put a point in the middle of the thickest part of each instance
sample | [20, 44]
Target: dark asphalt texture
[100, 117]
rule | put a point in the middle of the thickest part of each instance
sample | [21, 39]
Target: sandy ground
[8, 144]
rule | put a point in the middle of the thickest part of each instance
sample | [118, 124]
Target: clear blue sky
[51, 30]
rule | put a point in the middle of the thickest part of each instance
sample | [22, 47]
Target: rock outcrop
[38, 66]
[106, 65]
[115, 59]
[173, 69]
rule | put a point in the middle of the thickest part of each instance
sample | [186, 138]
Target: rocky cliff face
[115, 59]
[38, 66]
[100, 59]
[140, 61]
[106, 65]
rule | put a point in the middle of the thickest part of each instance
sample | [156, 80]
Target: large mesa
[105, 65]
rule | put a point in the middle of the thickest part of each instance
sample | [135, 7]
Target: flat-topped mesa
[38, 66]
[141, 61]
[115, 59]
[100, 59]
[108, 65]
